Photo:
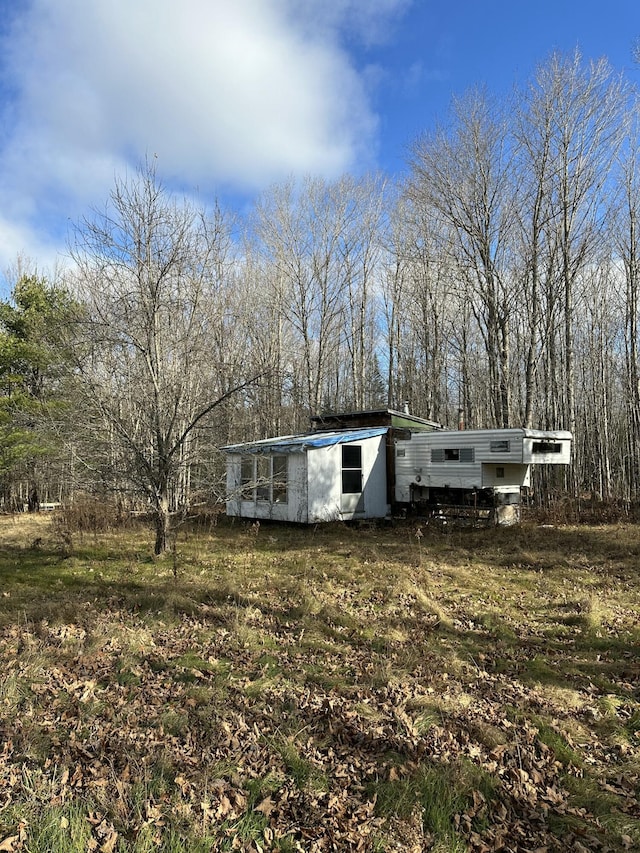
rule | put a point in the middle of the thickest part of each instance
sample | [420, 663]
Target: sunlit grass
[315, 643]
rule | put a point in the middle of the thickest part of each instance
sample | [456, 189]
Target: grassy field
[328, 689]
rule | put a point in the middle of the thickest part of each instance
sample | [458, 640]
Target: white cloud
[23, 249]
[230, 94]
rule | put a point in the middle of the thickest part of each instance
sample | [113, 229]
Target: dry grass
[281, 690]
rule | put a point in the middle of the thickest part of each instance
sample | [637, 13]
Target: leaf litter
[254, 723]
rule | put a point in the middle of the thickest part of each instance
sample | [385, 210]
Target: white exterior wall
[416, 467]
[325, 481]
[375, 479]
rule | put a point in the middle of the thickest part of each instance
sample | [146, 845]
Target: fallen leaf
[110, 844]
[265, 807]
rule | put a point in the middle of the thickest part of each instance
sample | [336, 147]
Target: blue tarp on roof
[301, 443]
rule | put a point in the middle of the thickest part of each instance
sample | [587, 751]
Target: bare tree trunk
[161, 521]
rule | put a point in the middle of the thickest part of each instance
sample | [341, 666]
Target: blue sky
[234, 95]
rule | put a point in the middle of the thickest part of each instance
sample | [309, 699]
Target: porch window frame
[268, 480]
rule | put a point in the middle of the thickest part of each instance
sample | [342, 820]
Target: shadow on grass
[567, 650]
[42, 583]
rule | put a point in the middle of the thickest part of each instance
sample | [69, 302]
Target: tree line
[498, 279]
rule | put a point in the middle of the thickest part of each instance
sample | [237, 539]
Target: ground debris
[340, 724]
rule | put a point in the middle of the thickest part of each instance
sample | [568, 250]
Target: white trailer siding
[546, 448]
[475, 459]
[507, 477]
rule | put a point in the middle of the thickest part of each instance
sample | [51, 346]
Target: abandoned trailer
[481, 469]
[370, 465]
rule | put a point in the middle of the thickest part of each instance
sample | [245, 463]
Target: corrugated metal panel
[301, 443]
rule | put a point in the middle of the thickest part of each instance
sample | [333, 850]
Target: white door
[352, 499]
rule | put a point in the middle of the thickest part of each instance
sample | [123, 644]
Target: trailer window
[501, 446]
[452, 454]
[547, 447]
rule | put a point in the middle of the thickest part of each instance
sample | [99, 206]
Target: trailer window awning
[301, 443]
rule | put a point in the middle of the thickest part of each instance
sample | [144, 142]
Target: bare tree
[425, 309]
[534, 258]
[582, 109]
[360, 250]
[463, 173]
[625, 236]
[300, 230]
[150, 275]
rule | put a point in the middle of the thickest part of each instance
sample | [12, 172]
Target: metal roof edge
[301, 443]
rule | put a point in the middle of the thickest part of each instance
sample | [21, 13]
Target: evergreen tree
[32, 376]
